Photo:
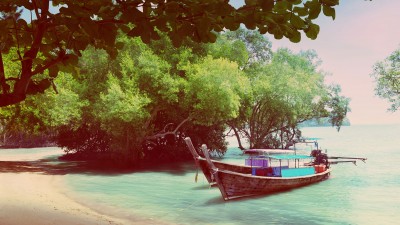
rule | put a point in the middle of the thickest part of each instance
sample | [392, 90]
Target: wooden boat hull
[234, 185]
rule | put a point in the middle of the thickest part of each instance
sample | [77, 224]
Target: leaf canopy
[387, 77]
[58, 31]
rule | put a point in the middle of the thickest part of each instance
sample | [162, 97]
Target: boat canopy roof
[280, 157]
[268, 151]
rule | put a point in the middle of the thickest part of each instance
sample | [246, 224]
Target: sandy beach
[30, 198]
[34, 193]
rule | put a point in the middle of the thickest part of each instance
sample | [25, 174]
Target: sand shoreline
[37, 198]
[33, 191]
[32, 198]
[41, 199]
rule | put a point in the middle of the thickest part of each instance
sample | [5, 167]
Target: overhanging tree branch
[21, 86]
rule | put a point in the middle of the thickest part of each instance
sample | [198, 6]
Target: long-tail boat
[202, 164]
[235, 185]
[236, 181]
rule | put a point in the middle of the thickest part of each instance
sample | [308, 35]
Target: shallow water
[29, 154]
[363, 194]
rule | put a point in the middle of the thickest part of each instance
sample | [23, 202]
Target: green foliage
[44, 36]
[286, 92]
[387, 77]
[125, 103]
[40, 114]
[142, 104]
[233, 50]
[214, 90]
[258, 48]
[144, 92]
[66, 106]
[86, 140]
[337, 106]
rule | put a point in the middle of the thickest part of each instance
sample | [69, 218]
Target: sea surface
[366, 193]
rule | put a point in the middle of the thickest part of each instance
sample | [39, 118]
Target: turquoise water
[363, 194]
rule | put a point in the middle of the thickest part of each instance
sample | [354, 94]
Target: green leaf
[249, 22]
[329, 11]
[295, 2]
[295, 37]
[53, 71]
[230, 23]
[263, 29]
[281, 7]
[223, 9]
[132, 15]
[278, 34]
[218, 28]
[80, 43]
[90, 27]
[108, 32]
[312, 31]
[72, 24]
[301, 11]
[330, 2]
[172, 7]
[186, 29]
[176, 40]
[267, 5]
[204, 24]
[251, 2]
[161, 24]
[297, 22]
[212, 37]
[315, 10]
[134, 32]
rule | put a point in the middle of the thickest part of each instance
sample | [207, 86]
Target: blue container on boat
[258, 162]
[296, 172]
[253, 171]
[276, 171]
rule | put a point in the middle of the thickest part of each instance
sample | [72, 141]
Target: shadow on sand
[54, 166]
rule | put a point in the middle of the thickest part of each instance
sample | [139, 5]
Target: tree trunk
[238, 139]
[21, 86]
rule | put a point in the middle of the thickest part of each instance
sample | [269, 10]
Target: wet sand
[33, 192]
[29, 198]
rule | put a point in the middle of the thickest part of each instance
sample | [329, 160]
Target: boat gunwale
[274, 178]
[226, 163]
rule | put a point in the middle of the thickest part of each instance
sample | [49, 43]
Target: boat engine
[320, 158]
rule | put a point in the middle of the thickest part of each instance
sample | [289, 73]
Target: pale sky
[363, 33]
